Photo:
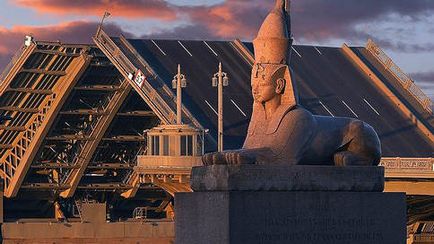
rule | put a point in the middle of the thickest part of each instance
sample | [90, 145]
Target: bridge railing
[9, 66]
[408, 165]
[126, 67]
[110, 47]
[403, 78]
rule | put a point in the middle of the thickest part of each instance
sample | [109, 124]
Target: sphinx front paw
[347, 158]
[234, 157]
[213, 158]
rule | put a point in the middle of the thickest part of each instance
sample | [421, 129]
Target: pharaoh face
[264, 87]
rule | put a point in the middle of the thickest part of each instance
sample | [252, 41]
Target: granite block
[290, 217]
[287, 178]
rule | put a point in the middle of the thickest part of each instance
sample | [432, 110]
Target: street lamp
[179, 81]
[220, 79]
[106, 15]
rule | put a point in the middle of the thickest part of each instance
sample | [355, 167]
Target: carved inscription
[255, 174]
[408, 164]
[313, 237]
[321, 229]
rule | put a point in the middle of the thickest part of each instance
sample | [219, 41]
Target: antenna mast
[288, 6]
[288, 17]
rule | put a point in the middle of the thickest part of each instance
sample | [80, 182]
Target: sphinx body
[281, 131]
[296, 136]
[292, 135]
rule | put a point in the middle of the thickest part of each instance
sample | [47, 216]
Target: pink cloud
[157, 9]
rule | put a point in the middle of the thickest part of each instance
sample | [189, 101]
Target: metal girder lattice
[171, 180]
[134, 182]
[116, 154]
[61, 75]
[88, 147]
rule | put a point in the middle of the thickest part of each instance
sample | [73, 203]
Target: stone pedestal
[287, 178]
[225, 209]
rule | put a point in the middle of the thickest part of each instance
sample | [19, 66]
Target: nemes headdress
[273, 48]
[273, 43]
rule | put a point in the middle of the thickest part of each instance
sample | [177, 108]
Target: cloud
[228, 20]
[423, 76]
[187, 32]
[403, 46]
[425, 80]
[389, 22]
[69, 32]
[157, 9]
[313, 20]
[356, 21]
[233, 18]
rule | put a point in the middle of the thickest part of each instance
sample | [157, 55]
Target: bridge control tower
[174, 146]
[172, 151]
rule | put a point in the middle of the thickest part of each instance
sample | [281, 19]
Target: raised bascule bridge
[91, 148]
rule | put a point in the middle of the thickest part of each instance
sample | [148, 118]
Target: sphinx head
[271, 76]
[268, 82]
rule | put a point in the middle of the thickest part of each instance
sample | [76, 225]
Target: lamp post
[106, 15]
[179, 81]
[220, 80]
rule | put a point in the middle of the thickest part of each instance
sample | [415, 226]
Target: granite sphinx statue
[281, 131]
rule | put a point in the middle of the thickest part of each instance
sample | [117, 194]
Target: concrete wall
[161, 232]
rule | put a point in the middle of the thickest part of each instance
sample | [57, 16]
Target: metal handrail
[423, 237]
[165, 92]
[11, 64]
[113, 49]
[127, 68]
[403, 78]
[243, 51]
[149, 71]
[29, 135]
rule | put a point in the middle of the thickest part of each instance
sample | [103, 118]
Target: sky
[402, 28]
